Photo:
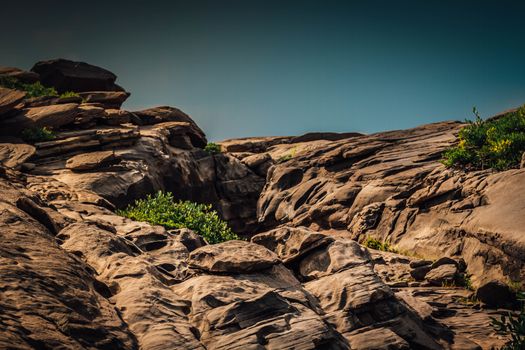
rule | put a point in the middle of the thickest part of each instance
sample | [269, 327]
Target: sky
[268, 67]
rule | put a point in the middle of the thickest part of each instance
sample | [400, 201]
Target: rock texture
[74, 275]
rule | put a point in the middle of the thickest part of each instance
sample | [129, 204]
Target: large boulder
[15, 153]
[54, 116]
[21, 75]
[496, 294]
[9, 99]
[65, 75]
[108, 99]
[233, 257]
[91, 161]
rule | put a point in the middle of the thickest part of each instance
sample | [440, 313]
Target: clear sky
[268, 67]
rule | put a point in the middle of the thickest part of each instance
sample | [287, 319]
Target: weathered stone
[9, 99]
[21, 75]
[14, 154]
[442, 275]
[109, 99]
[54, 116]
[91, 161]
[65, 75]
[496, 294]
[420, 272]
[233, 257]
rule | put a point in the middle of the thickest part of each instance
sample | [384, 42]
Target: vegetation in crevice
[42, 134]
[496, 143]
[373, 243]
[213, 148]
[162, 209]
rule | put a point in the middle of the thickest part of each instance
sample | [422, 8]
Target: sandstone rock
[65, 75]
[418, 263]
[291, 243]
[420, 272]
[91, 161]
[117, 117]
[496, 294]
[522, 165]
[162, 114]
[54, 116]
[14, 154]
[109, 99]
[259, 163]
[444, 274]
[444, 261]
[9, 99]
[233, 257]
[21, 75]
[190, 239]
[378, 339]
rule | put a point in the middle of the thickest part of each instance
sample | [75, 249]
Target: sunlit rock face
[74, 275]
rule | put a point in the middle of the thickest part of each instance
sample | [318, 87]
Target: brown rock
[496, 294]
[291, 243]
[65, 75]
[91, 161]
[54, 116]
[108, 99]
[233, 257]
[9, 99]
[14, 154]
[522, 165]
[420, 272]
[21, 75]
[444, 274]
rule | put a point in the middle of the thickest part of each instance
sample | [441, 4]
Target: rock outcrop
[74, 275]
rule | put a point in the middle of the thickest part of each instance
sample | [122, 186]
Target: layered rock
[75, 275]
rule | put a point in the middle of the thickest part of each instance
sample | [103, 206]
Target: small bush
[69, 94]
[376, 244]
[212, 148]
[284, 158]
[38, 135]
[162, 209]
[497, 143]
[512, 325]
[32, 90]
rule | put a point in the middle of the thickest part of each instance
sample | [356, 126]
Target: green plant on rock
[512, 325]
[494, 143]
[32, 90]
[33, 135]
[163, 210]
[213, 148]
[373, 243]
[69, 94]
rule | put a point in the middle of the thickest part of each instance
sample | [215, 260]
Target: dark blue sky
[246, 68]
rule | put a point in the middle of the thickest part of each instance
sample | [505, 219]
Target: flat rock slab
[91, 161]
[9, 99]
[291, 243]
[442, 275]
[54, 116]
[14, 154]
[233, 257]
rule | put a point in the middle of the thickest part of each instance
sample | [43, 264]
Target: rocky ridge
[75, 275]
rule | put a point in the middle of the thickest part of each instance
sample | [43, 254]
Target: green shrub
[212, 148]
[496, 143]
[284, 158]
[162, 209]
[512, 325]
[33, 135]
[32, 90]
[376, 244]
[69, 94]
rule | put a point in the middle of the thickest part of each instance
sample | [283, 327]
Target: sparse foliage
[32, 90]
[513, 325]
[163, 210]
[493, 143]
[376, 244]
[212, 148]
[33, 135]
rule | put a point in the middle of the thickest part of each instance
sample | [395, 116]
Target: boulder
[162, 114]
[9, 99]
[65, 75]
[444, 261]
[21, 75]
[54, 117]
[444, 274]
[92, 161]
[233, 257]
[420, 272]
[418, 263]
[291, 243]
[496, 294]
[108, 99]
[259, 163]
[14, 154]
[116, 117]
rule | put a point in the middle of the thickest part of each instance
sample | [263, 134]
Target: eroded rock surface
[76, 276]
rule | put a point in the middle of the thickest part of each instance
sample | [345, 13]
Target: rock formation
[74, 275]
